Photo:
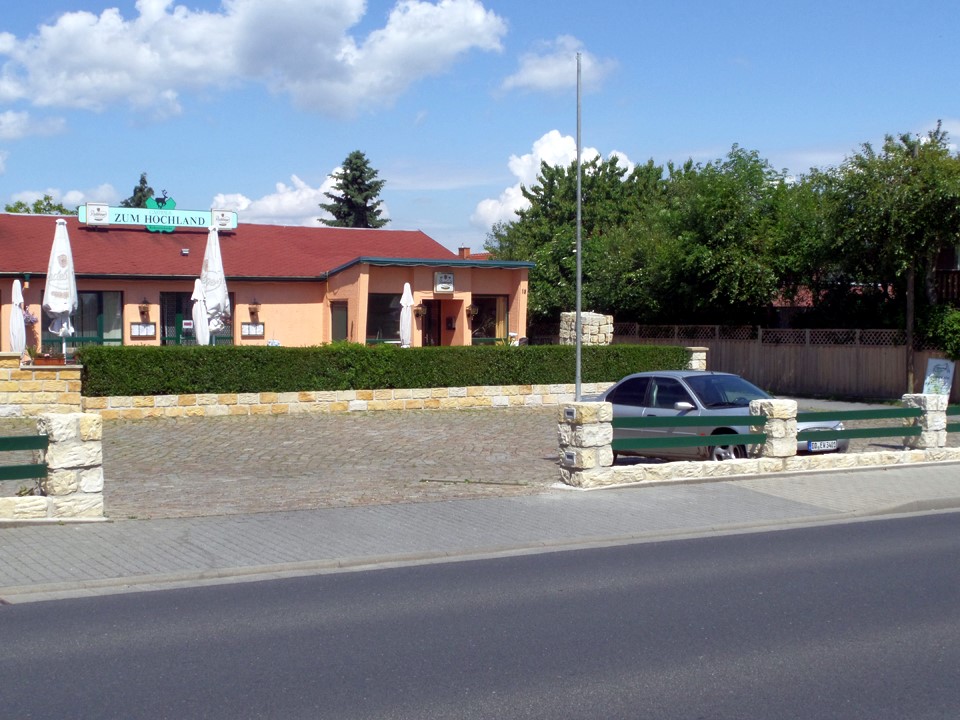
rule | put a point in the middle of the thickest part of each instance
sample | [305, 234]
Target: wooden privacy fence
[867, 364]
[853, 363]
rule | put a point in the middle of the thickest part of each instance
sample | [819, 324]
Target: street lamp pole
[577, 324]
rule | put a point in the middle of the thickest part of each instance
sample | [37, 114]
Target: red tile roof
[250, 251]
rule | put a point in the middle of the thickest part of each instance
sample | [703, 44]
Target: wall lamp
[472, 311]
[419, 310]
[254, 308]
[144, 308]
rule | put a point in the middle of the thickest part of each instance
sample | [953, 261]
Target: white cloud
[554, 68]
[299, 47]
[552, 148]
[16, 125]
[294, 204]
[71, 198]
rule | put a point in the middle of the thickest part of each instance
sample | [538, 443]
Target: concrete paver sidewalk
[47, 562]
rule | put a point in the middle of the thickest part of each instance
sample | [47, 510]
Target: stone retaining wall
[455, 398]
[73, 488]
[29, 390]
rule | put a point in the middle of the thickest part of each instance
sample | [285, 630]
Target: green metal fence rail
[868, 432]
[29, 470]
[953, 410]
[690, 440]
[759, 420]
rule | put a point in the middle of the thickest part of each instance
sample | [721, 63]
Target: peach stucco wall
[298, 313]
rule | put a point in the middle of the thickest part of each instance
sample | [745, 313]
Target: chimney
[464, 253]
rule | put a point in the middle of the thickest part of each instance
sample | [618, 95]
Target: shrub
[178, 370]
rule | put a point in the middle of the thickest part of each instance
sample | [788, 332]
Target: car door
[663, 395]
[629, 401]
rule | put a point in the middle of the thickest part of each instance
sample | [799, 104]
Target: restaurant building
[292, 286]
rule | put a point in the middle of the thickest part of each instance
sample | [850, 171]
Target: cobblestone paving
[218, 466]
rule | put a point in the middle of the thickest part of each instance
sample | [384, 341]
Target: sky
[251, 105]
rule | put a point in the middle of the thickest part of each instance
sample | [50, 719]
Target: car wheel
[727, 452]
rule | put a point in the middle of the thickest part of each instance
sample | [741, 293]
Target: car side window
[666, 392]
[630, 392]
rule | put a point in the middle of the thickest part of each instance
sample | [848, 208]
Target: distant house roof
[249, 252]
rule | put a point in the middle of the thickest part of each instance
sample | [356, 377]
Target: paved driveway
[228, 465]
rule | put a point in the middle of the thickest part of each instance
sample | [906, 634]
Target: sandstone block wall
[29, 390]
[73, 488]
[595, 329]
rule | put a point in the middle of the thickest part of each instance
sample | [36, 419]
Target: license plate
[821, 445]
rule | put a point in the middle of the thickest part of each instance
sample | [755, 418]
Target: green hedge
[176, 370]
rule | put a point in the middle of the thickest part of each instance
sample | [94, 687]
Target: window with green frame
[97, 321]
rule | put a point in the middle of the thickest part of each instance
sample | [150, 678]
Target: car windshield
[719, 391]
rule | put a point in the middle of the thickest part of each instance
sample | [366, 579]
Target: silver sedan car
[693, 393]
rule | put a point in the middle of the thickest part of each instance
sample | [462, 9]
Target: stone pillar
[595, 329]
[698, 358]
[585, 433]
[932, 424]
[780, 426]
[74, 457]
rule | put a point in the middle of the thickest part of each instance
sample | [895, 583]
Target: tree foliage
[719, 241]
[141, 193]
[43, 206]
[355, 202]
[897, 208]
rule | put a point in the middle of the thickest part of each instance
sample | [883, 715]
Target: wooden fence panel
[855, 370]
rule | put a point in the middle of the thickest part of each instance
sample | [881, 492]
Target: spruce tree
[355, 201]
[141, 193]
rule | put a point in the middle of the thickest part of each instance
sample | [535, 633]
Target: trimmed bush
[180, 370]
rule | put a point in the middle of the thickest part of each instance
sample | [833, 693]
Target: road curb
[21, 594]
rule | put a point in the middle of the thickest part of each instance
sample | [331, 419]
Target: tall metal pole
[577, 325]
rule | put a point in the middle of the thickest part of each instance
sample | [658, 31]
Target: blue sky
[251, 104]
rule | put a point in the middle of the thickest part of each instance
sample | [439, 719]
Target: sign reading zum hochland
[102, 214]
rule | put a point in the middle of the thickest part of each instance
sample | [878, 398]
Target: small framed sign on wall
[251, 330]
[143, 329]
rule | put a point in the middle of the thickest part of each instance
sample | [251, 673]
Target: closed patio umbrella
[406, 316]
[214, 283]
[18, 331]
[201, 326]
[60, 291]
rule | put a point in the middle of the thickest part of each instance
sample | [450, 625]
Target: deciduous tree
[43, 206]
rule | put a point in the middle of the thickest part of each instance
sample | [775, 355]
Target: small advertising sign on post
[939, 377]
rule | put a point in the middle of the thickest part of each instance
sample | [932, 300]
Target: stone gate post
[585, 432]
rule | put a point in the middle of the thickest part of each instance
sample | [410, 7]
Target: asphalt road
[850, 621]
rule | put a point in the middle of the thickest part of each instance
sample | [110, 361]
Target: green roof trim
[425, 262]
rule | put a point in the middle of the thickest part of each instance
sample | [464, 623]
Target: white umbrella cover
[18, 331]
[406, 316]
[60, 292]
[214, 283]
[201, 328]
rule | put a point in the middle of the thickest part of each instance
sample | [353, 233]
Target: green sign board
[157, 219]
